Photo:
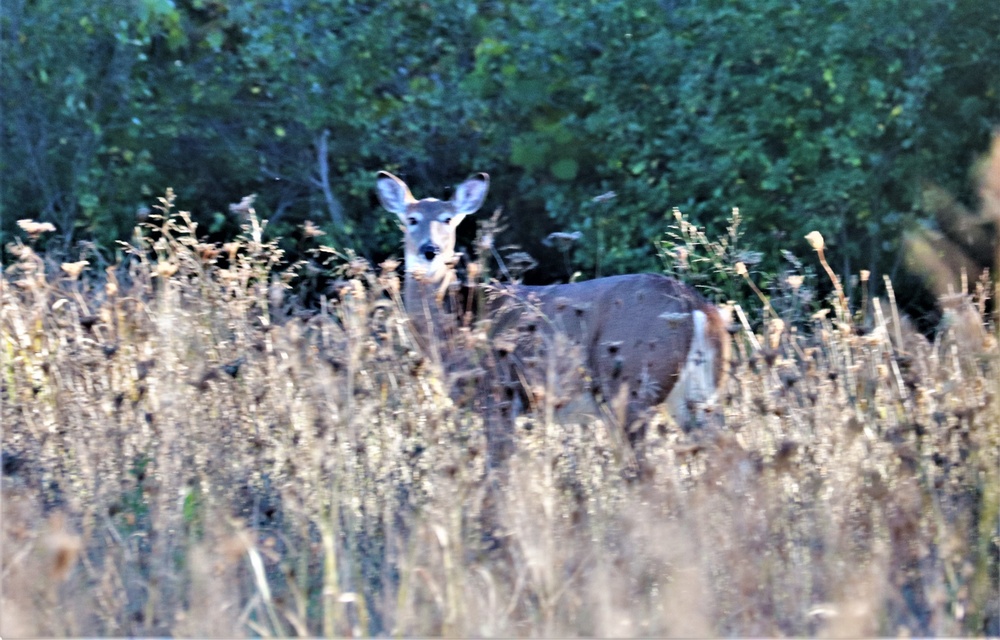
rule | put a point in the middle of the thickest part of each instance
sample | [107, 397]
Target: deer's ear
[393, 193]
[469, 195]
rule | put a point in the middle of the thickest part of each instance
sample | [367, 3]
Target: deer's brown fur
[645, 338]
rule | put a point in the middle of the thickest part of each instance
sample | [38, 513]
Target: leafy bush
[821, 117]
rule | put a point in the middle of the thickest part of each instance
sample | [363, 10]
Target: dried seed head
[389, 266]
[795, 282]
[35, 229]
[741, 269]
[311, 231]
[357, 267]
[865, 274]
[561, 240]
[166, 268]
[20, 251]
[207, 252]
[484, 242]
[521, 261]
[74, 269]
[245, 206]
[390, 283]
[815, 240]
[388, 278]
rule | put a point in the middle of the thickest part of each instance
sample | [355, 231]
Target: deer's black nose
[429, 250]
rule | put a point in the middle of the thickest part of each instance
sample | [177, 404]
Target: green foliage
[689, 255]
[808, 117]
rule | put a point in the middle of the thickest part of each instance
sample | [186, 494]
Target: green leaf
[565, 169]
[214, 40]
[89, 201]
[528, 151]
[828, 79]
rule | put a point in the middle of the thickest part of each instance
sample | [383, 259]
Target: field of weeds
[188, 452]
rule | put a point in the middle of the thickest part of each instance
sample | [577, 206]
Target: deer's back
[636, 330]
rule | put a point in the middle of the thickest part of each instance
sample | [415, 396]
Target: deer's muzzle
[429, 250]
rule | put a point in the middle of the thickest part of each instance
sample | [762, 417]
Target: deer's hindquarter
[637, 332]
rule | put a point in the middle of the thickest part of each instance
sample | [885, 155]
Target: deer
[645, 338]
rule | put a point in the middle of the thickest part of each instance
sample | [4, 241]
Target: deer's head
[429, 224]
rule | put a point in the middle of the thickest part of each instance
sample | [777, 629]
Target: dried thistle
[741, 270]
[166, 268]
[389, 265]
[74, 269]
[520, 262]
[484, 241]
[245, 206]
[21, 251]
[311, 231]
[207, 252]
[561, 240]
[35, 229]
[389, 280]
[815, 239]
[358, 267]
[682, 255]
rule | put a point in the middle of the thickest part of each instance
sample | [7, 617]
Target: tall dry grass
[185, 453]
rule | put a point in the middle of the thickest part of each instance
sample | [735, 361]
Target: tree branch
[333, 205]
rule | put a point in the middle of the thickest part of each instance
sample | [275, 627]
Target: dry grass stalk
[220, 473]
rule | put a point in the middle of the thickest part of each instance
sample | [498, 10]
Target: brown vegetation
[177, 462]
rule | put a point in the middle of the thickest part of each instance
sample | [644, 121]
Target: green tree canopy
[825, 116]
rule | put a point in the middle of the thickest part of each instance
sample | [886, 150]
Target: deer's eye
[446, 219]
[411, 221]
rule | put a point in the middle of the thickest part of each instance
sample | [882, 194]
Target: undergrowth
[189, 451]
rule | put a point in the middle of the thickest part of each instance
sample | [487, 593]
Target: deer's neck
[425, 306]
